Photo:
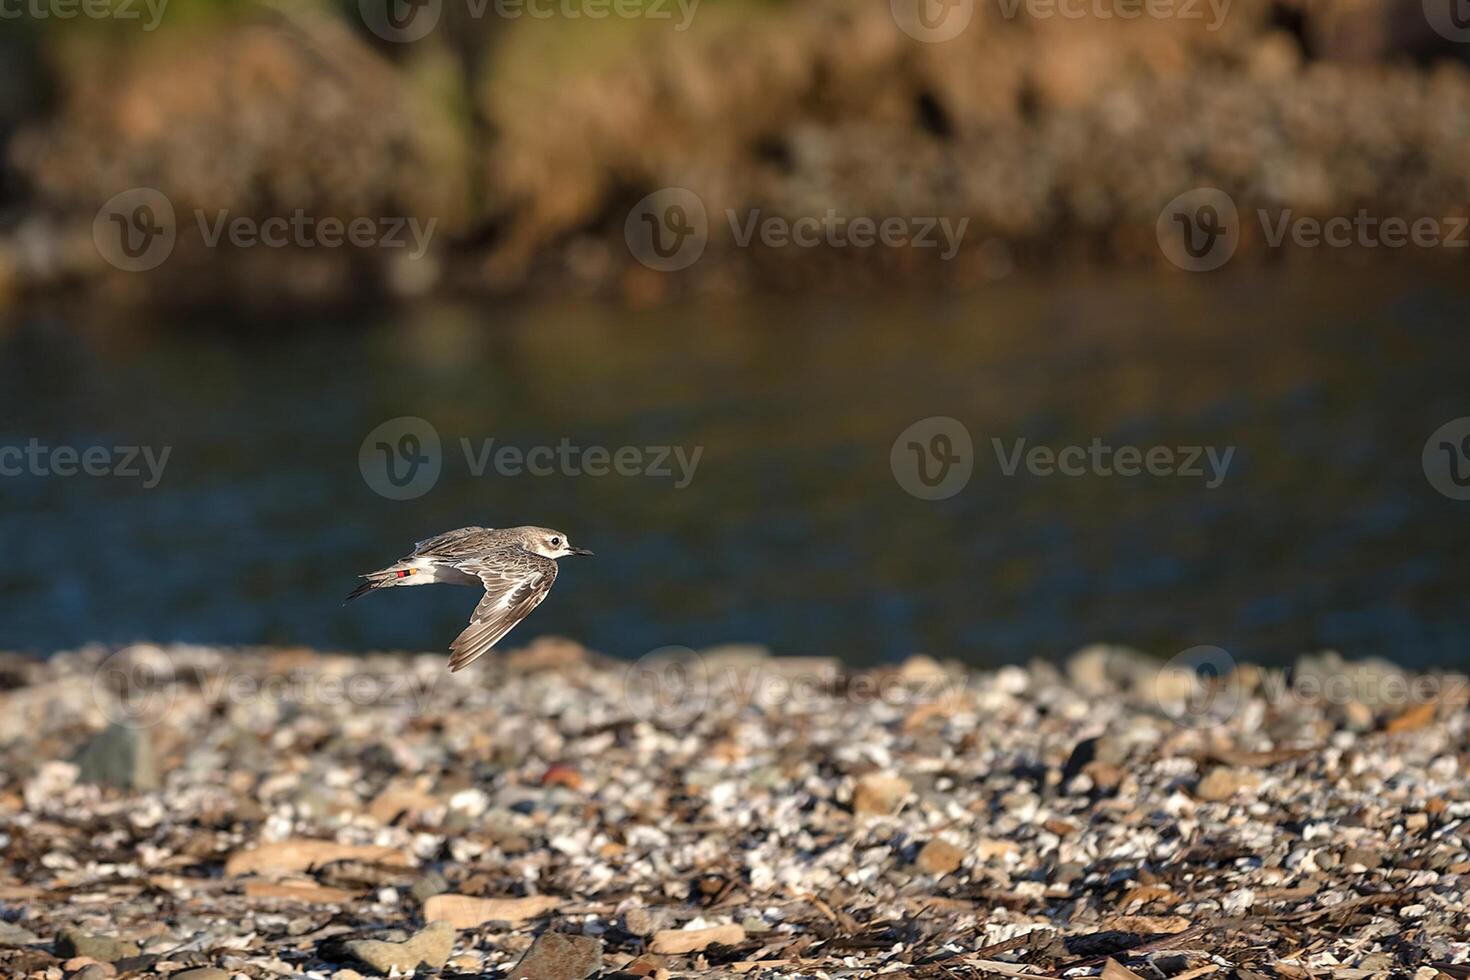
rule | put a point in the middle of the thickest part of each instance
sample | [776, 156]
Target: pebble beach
[203, 813]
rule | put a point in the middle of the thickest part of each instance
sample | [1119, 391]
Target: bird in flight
[516, 567]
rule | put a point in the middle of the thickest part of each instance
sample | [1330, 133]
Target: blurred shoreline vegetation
[527, 140]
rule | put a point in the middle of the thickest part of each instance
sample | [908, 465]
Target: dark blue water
[793, 531]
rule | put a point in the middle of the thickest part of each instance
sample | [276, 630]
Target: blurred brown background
[1059, 130]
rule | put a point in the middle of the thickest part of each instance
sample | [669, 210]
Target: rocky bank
[203, 813]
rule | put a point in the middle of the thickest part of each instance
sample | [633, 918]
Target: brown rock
[400, 800]
[559, 956]
[879, 793]
[1113, 970]
[1148, 924]
[1104, 775]
[1149, 894]
[988, 849]
[431, 946]
[939, 857]
[678, 942]
[308, 893]
[1419, 716]
[301, 854]
[562, 775]
[464, 912]
[1221, 784]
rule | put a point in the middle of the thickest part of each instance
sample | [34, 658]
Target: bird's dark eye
[556, 542]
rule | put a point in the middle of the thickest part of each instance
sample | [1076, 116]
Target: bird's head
[549, 543]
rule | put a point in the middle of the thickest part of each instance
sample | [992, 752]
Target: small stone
[104, 949]
[559, 956]
[464, 912]
[406, 801]
[678, 942]
[14, 935]
[1100, 749]
[1366, 857]
[989, 849]
[429, 946]
[646, 921]
[119, 756]
[95, 971]
[202, 973]
[879, 793]
[1101, 668]
[1222, 783]
[290, 856]
[939, 857]
[307, 893]
[428, 886]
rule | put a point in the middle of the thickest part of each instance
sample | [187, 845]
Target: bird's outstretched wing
[514, 585]
[458, 543]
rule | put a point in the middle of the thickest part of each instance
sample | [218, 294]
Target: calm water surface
[793, 531]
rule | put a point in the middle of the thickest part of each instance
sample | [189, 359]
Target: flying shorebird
[515, 565]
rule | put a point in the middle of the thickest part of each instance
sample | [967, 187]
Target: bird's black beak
[581, 551]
